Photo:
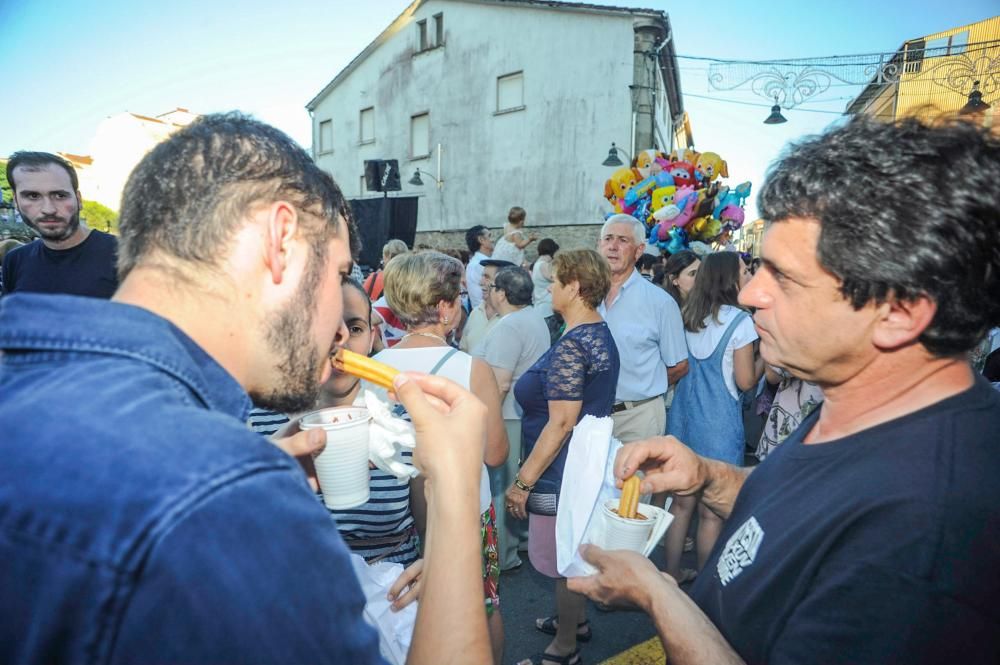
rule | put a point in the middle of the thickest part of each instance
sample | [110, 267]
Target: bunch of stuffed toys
[678, 197]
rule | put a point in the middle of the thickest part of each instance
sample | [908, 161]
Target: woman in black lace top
[574, 378]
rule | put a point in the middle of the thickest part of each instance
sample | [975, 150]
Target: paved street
[525, 594]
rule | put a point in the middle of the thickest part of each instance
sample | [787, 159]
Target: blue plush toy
[735, 196]
[677, 242]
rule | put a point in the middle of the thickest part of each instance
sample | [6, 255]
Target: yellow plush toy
[663, 196]
[618, 185]
[710, 166]
[646, 162]
[684, 155]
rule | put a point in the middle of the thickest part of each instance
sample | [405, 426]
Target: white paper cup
[636, 535]
[342, 467]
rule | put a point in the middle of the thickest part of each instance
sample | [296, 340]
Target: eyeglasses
[492, 285]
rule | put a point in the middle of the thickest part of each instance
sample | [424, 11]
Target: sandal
[549, 625]
[541, 658]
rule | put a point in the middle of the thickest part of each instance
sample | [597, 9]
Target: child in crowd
[510, 247]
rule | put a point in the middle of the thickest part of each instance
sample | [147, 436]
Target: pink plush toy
[732, 217]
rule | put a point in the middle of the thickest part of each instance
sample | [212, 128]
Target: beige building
[934, 75]
[119, 142]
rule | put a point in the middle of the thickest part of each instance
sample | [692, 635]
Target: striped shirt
[386, 515]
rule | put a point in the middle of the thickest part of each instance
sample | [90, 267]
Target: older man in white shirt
[646, 324]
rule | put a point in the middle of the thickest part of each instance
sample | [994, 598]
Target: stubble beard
[297, 362]
[67, 231]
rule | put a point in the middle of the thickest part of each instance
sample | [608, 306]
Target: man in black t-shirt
[872, 534]
[69, 258]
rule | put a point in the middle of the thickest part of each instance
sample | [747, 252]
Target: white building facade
[502, 103]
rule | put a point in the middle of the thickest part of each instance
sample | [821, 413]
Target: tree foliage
[8, 194]
[100, 217]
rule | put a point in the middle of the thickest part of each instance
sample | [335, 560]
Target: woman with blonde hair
[424, 290]
[574, 378]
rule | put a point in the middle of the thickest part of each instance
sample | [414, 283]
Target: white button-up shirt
[647, 327]
[473, 274]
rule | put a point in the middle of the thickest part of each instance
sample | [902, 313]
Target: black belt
[630, 404]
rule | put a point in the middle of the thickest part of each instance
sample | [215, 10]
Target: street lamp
[975, 103]
[417, 182]
[775, 118]
[612, 159]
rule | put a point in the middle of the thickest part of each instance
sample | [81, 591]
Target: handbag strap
[443, 360]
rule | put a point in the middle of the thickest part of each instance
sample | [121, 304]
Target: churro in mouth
[364, 367]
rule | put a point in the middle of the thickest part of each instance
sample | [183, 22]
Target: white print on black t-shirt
[740, 551]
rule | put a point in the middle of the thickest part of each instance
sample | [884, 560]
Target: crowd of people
[171, 494]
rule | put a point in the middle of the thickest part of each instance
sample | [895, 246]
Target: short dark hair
[350, 281]
[547, 247]
[516, 284]
[646, 261]
[717, 284]
[495, 263]
[189, 194]
[472, 237]
[919, 218]
[35, 161]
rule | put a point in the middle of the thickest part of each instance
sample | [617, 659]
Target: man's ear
[902, 322]
[639, 251]
[282, 223]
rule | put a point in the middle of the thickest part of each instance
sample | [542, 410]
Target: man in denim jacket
[140, 519]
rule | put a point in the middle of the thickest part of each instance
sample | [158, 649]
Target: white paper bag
[395, 629]
[588, 481]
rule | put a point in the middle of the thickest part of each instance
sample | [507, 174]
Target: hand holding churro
[364, 367]
[628, 506]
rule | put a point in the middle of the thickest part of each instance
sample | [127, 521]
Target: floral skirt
[491, 561]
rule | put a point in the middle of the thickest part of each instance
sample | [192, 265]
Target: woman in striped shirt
[385, 528]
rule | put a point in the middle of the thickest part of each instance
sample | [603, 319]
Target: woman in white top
[707, 414]
[541, 277]
[424, 291]
[510, 247]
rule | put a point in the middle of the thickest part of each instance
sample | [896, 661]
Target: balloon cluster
[678, 197]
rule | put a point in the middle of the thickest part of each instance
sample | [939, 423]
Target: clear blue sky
[69, 64]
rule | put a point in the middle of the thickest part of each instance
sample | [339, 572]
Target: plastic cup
[636, 535]
[342, 467]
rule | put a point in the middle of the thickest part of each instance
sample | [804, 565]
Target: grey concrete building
[501, 103]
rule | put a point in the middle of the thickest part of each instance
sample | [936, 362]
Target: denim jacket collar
[56, 324]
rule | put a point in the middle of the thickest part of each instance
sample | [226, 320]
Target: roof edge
[541, 4]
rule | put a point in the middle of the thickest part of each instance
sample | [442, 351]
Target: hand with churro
[364, 367]
[628, 506]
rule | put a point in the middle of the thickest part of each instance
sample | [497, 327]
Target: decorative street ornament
[791, 82]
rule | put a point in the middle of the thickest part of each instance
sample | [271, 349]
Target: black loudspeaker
[373, 180]
[379, 219]
[382, 175]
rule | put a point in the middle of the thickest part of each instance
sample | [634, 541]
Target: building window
[420, 135]
[422, 35]
[914, 57]
[438, 29]
[510, 92]
[958, 43]
[367, 123]
[325, 136]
